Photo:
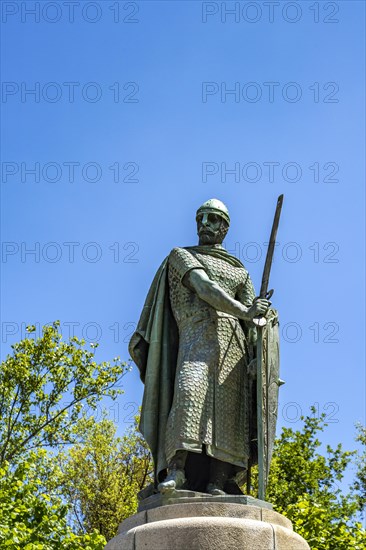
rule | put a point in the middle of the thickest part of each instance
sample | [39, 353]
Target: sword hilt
[261, 321]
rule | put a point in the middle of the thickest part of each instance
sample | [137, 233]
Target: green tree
[32, 519]
[102, 476]
[44, 384]
[304, 486]
[359, 485]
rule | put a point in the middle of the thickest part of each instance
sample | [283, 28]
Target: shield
[268, 382]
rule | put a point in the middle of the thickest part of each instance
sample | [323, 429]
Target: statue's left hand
[252, 369]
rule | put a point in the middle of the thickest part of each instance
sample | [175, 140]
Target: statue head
[213, 222]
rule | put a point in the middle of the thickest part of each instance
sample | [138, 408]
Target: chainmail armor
[210, 405]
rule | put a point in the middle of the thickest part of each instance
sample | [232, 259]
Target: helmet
[214, 206]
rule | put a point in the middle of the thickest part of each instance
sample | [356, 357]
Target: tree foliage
[305, 486]
[359, 485]
[102, 476]
[43, 386]
[32, 519]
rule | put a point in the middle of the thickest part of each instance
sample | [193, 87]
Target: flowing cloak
[154, 349]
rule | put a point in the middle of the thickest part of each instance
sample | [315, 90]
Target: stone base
[207, 526]
[183, 497]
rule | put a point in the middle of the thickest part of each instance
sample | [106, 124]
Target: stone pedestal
[207, 525]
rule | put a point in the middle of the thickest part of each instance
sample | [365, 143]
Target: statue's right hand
[259, 308]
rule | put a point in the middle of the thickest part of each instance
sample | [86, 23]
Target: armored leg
[219, 474]
[176, 476]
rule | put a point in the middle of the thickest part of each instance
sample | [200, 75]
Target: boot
[219, 473]
[176, 477]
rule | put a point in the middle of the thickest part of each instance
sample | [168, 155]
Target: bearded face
[211, 228]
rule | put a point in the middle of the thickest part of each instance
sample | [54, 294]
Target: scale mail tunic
[210, 403]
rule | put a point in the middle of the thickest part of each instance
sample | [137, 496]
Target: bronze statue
[195, 347]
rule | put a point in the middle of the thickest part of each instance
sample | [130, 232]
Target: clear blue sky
[173, 131]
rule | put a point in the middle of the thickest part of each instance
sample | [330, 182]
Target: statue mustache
[206, 231]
